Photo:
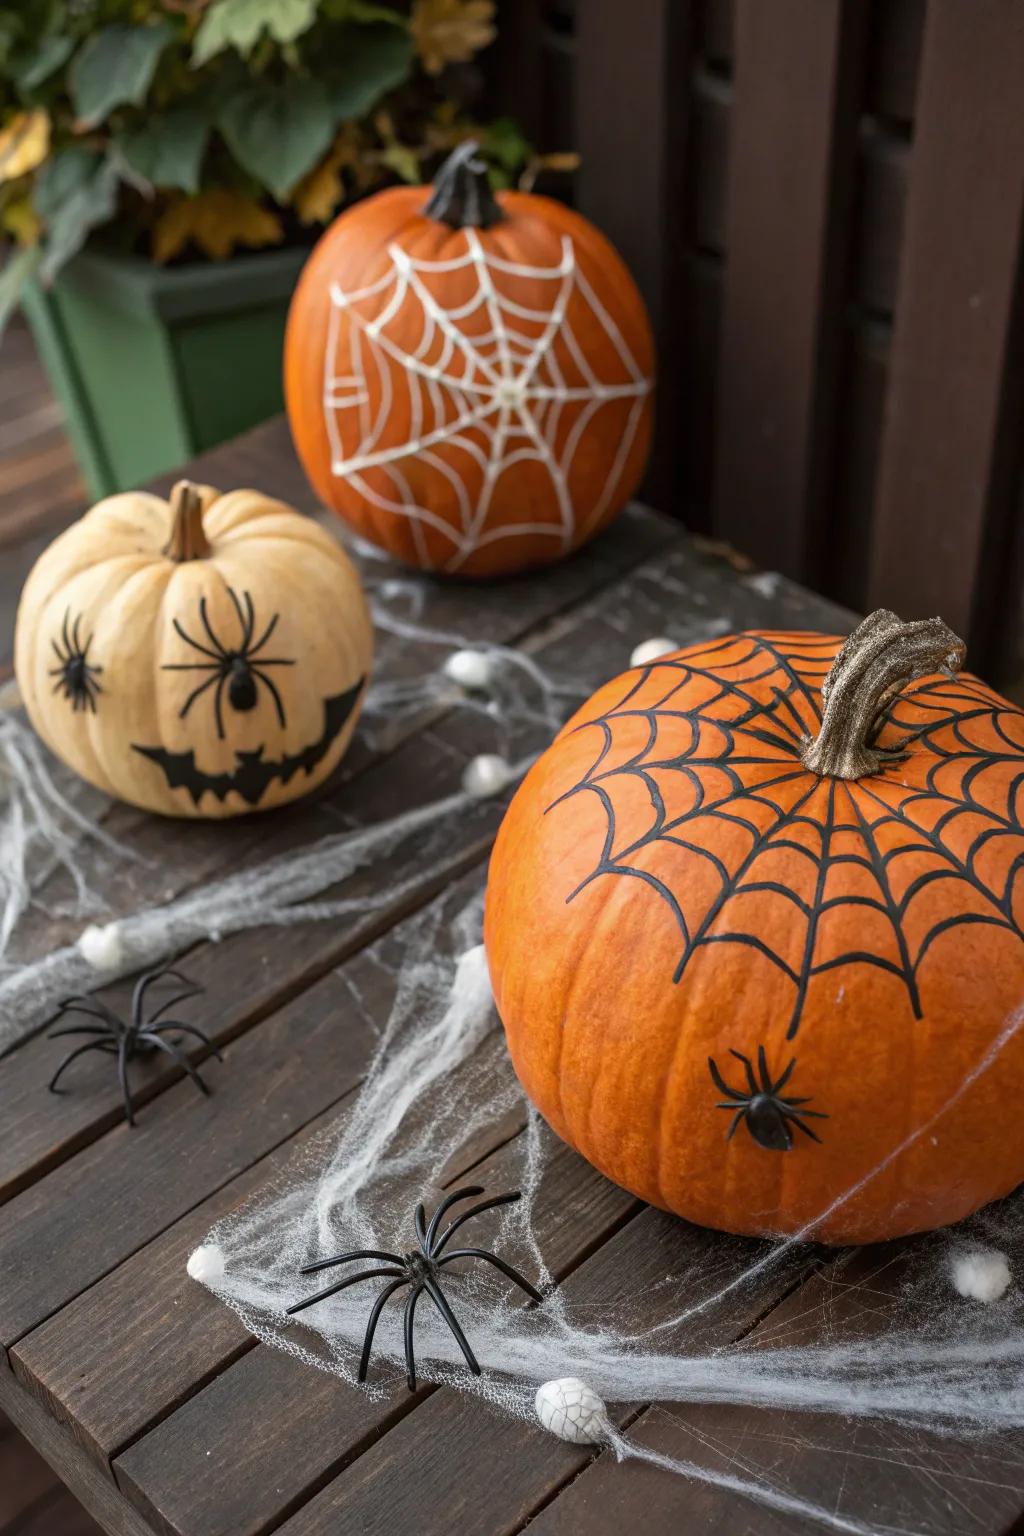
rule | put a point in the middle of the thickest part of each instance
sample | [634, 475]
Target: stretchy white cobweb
[490, 383]
[878, 1336]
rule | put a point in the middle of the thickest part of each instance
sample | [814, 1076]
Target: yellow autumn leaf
[450, 31]
[24, 144]
[318, 194]
[216, 221]
[20, 220]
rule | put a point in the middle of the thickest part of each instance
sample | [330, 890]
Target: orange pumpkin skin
[508, 455]
[870, 930]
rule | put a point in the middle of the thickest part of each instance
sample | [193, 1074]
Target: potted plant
[165, 166]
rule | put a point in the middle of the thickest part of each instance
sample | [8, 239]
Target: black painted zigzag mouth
[254, 774]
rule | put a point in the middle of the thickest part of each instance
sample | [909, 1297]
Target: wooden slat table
[148, 1396]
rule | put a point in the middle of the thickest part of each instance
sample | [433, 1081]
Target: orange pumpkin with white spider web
[755, 925]
[468, 376]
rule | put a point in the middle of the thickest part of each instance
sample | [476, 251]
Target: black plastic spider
[421, 1270]
[75, 673]
[767, 1114]
[135, 1040]
[240, 669]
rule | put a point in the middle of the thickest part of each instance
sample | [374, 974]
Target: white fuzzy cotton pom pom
[572, 1411]
[486, 775]
[101, 947]
[982, 1275]
[206, 1264]
[470, 669]
[650, 650]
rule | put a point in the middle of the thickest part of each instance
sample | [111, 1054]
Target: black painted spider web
[712, 736]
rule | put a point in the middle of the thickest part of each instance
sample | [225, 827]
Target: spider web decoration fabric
[429, 403]
[712, 735]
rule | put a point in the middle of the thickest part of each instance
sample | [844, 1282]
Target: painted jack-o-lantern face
[202, 658]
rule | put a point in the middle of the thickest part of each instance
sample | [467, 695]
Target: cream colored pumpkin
[206, 656]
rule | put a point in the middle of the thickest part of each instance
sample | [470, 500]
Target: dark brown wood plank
[494, 1472]
[95, 1492]
[888, 1476]
[797, 84]
[632, 83]
[938, 501]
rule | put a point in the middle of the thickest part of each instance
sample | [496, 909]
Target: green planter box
[154, 364]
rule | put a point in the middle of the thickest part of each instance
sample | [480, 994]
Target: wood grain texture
[797, 82]
[941, 509]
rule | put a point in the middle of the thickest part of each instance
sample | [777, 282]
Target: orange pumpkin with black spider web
[755, 925]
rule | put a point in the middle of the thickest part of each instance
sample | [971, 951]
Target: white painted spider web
[465, 391]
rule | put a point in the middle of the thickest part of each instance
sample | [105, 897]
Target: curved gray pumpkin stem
[462, 195]
[881, 656]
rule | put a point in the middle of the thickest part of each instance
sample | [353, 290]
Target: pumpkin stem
[188, 540]
[462, 195]
[870, 670]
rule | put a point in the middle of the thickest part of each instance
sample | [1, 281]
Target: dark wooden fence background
[822, 201]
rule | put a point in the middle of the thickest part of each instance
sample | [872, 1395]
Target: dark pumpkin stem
[188, 540]
[881, 656]
[462, 195]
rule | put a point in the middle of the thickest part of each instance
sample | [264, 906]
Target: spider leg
[183, 711]
[777, 1088]
[122, 1077]
[751, 1079]
[91, 1006]
[191, 666]
[204, 617]
[261, 677]
[74, 633]
[341, 1285]
[720, 1082]
[143, 985]
[407, 1328]
[797, 1117]
[420, 1221]
[187, 1029]
[64, 631]
[446, 1205]
[371, 1326]
[214, 655]
[737, 1117]
[79, 1029]
[477, 1210]
[176, 1055]
[345, 1258]
[242, 621]
[90, 1045]
[271, 661]
[58, 653]
[437, 1297]
[732, 1103]
[762, 1067]
[217, 706]
[265, 635]
[492, 1258]
[181, 997]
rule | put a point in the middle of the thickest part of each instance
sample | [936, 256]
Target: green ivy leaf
[374, 62]
[76, 191]
[278, 133]
[503, 142]
[114, 66]
[168, 151]
[18, 268]
[48, 55]
[240, 23]
[402, 160]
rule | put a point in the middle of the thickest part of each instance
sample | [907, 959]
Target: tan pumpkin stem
[881, 656]
[188, 540]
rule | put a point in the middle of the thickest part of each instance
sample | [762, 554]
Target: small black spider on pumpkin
[420, 1269]
[136, 1039]
[762, 1107]
[239, 669]
[76, 676]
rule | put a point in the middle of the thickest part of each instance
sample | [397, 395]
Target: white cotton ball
[206, 1264]
[101, 946]
[572, 1411]
[650, 650]
[471, 983]
[470, 669]
[486, 775]
[982, 1275]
